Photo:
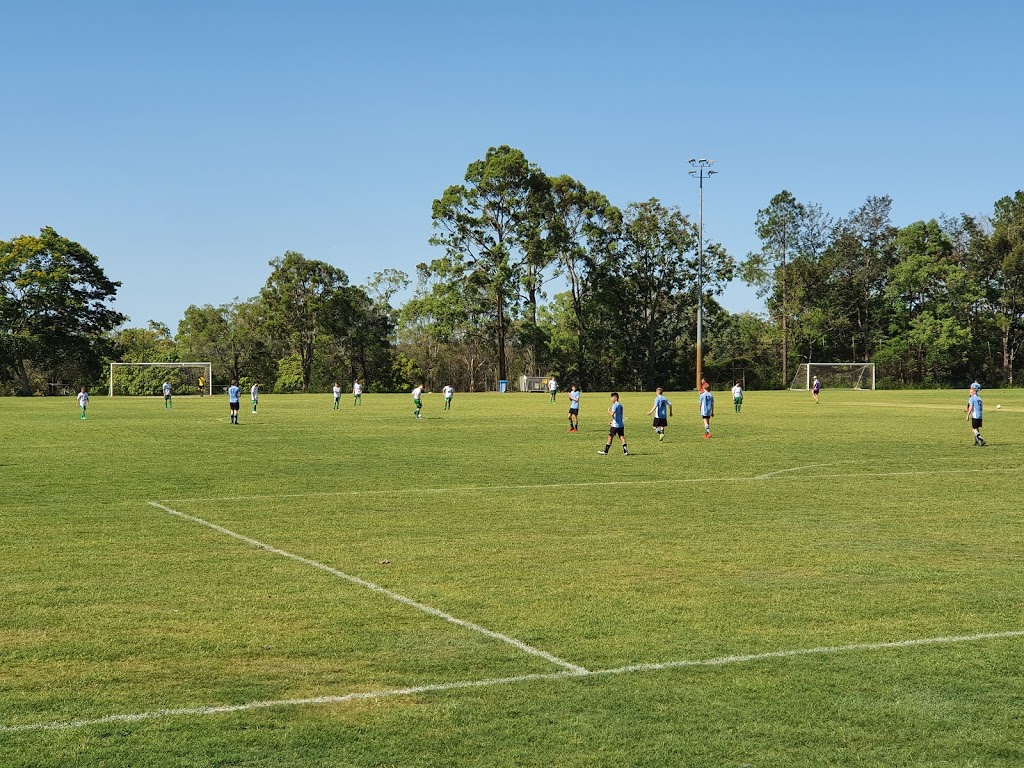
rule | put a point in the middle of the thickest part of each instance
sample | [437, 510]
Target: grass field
[834, 584]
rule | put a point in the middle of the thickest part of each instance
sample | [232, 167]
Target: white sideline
[495, 681]
[778, 474]
[376, 588]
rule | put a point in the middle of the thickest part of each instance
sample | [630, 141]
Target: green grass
[868, 518]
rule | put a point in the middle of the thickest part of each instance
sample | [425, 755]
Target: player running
[974, 415]
[417, 400]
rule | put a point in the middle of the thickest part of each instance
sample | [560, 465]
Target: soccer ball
[998, 407]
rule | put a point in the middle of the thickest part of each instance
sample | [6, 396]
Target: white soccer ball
[998, 407]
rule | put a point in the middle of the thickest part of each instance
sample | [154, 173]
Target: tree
[779, 227]
[583, 227]
[644, 300]
[55, 309]
[233, 337]
[1007, 244]
[304, 300]
[491, 225]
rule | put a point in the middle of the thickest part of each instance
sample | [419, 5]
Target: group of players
[661, 410]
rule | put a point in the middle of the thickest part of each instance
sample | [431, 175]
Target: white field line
[376, 588]
[497, 681]
[594, 484]
[768, 475]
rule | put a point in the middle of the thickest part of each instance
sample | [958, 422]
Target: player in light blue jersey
[974, 414]
[616, 426]
[574, 409]
[661, 409]
[234, 395]
[707, 409]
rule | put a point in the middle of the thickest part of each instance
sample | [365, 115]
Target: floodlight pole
[701, 171]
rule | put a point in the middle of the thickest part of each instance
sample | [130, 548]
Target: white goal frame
[208, 367]
[866, 381]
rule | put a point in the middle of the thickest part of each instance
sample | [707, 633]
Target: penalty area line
[136, 717]
[519, 644]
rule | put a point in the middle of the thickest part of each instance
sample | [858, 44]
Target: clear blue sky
[187, 144]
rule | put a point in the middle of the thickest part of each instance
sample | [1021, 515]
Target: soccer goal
[533, 383]
[835, 375]
[146, 379]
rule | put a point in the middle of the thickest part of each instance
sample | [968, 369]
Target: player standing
[816, 389]
[661, 409]
[234, 395]
[167, 395]
[83, 401]
[357, 393]
[616, 426]
[448, 392]
[974, 414]
[707, 409]
[552, 389]
[574, 409]
[417, 395]
[337, 395]
[737, 397]
[202, 385]
[255, 392]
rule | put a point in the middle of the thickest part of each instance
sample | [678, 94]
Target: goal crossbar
[207, 366]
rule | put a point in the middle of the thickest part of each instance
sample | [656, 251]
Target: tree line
[537, 275]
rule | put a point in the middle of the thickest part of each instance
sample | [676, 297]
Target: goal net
[147, 379]
[835, 375]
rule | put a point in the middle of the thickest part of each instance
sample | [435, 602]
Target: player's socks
[625, 452]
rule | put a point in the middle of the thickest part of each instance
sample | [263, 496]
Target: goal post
[184, 377]
[835, 375]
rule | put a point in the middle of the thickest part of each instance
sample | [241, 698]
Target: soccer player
[255, 392]
[357, 393]
[234, 395]
[574, 409]
[974, 414]
[815, 389]
[202, 385]
[707, 409]
[976, 385]
[167, 395]
[83, 400]
[661, 409]
[737, 397]
[448, 392]
[337, 395]
[616, 426]
[552, 389]
[417, 395]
